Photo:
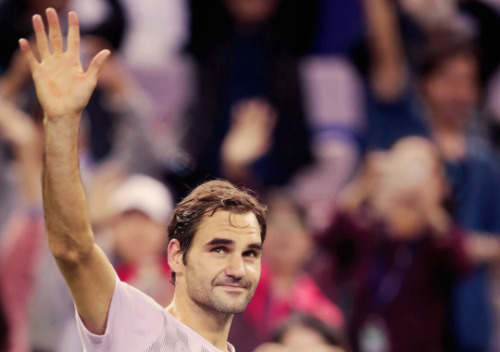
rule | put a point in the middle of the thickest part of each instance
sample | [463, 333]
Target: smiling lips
[233, 287]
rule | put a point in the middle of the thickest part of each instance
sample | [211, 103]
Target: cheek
[205, 266]
[437, 92]
[253, 272]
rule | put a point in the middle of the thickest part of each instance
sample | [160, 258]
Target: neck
[211, 325]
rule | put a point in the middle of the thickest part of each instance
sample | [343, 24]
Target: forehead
[224, 224]
[457, 64]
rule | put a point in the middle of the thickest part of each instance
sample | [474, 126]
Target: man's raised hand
[63, 87]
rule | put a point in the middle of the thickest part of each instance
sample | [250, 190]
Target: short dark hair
[208, 198]
[333, 336]
[442, 47]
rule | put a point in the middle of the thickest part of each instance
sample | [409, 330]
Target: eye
[251, 254]
[219, 250]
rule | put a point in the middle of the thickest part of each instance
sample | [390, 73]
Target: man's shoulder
[135, 321]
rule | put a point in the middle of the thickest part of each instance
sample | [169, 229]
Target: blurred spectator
[304, 332]
[467, 18]
[448, 83]
[12, 84]
[142, 208]
[284, 286]
[246, 67]
[23, 231]
[396, 245]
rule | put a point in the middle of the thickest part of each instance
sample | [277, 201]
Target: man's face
[251, 11]
[452, 92]
[223, 264]
[289, 242]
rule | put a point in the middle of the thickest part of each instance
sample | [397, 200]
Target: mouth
[233, 288]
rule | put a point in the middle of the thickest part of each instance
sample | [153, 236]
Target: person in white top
[215, 234]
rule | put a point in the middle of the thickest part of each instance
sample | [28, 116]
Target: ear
[175, 256]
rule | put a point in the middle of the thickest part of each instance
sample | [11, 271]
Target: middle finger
[55, 35]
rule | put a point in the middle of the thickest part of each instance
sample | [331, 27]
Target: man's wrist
[61, 131]
[70, 118]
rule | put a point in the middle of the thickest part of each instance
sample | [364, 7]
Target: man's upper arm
[92, 283]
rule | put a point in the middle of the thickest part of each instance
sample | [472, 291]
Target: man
[215, 235]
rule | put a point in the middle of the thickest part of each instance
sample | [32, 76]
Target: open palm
[63, 88]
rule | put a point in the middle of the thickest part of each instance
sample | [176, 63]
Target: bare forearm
[388, 72]
[65, 205]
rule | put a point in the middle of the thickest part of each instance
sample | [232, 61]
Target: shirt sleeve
[133, 324]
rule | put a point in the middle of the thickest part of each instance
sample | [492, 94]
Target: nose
[235, 267]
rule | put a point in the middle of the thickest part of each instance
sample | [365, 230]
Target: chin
[229, 306]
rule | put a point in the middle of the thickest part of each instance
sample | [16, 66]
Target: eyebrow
[220, 241]
[256, 246]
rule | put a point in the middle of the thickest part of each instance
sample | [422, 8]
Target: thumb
[97, 63]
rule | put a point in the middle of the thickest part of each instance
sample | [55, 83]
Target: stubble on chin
[229, 303]
[218, 301]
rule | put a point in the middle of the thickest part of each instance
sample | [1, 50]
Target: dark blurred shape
[339, 27]
[487, 21]
[212, 21]
[4, 328]
[113, 27]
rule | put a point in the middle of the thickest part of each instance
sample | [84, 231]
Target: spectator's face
[223, 263]
[251, 11]
[288, 242]
[410, 181]
[137, 237]
[451, 91]
[421, 168]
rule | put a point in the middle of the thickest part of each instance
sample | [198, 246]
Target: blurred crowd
[370, 128]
